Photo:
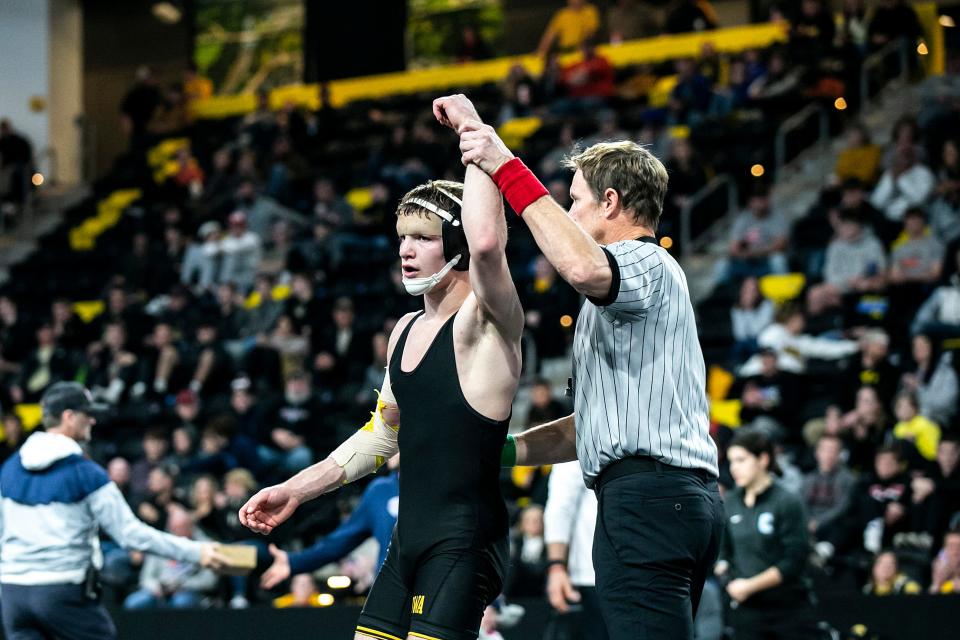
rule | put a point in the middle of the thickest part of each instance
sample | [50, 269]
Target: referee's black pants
[657, 537]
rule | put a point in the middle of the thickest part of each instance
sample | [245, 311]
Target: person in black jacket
[765, 546]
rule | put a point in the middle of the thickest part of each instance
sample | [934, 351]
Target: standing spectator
[172, 583]
[765, 547]
[886, 579]
[546, 300]
[569, 522]
[690, 96]
[934, 381]
[528, 556]
[907, 183]
[688, 175]
[241, 250]
[16, 165]
[856, 263]
[139, 105]
[826, 489]
[201, 258]
[758, 239]
[471, 46]
[570, 27]
[811, 33]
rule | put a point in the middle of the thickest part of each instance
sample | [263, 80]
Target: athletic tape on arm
[366, 450]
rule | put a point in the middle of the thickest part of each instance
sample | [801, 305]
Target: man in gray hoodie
[53, 500]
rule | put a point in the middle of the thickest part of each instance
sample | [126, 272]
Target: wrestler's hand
[480, 144]
[268, 509]
[454, 111]
[560, 591]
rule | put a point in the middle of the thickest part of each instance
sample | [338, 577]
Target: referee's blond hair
[629, 169]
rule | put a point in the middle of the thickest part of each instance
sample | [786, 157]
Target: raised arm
[574, 254]
[486, 232]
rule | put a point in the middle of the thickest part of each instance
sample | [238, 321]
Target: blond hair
[430, 191]
[629, 169]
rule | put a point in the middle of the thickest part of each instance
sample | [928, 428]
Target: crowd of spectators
[245, 321]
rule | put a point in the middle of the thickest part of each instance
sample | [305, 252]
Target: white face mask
[420, 286]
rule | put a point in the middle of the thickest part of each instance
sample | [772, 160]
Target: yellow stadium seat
[360, 198]
[726, 412]
[660, 94]
[280, 292]
[515, 132]
[782, 288]
[29, 414]
[719, 381]
[88, 309]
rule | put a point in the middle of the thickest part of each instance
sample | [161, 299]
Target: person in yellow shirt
[860, 158]
[911, 426]
[303, 593]
[570, 27]
[886, 579]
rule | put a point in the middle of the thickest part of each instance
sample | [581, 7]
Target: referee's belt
[643, 464]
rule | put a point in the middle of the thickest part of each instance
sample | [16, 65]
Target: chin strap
[420, 286]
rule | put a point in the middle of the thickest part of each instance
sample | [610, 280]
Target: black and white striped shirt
[639, 375]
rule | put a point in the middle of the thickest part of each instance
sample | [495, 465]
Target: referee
[640, 421]
[52, 502]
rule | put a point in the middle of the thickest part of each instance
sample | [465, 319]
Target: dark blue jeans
[657, 537]
[61, 611]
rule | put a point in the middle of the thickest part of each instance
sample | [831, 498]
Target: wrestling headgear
[455, 249]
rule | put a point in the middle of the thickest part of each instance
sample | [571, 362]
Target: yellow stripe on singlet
[420, 635]
[377, 634]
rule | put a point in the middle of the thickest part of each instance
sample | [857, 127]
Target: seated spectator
[528, 556]
[168, 583]
[688, 174]
[43, 366]
[471, 46]
[13, 436]
[241, 253]
[786, 337]
[231, 316]
[691, 15]
[154, 507]
[880, 504]
[205, 510]
[72, 333]
[916, 258]
[341, 349]
[874, 369]
[586, 84]
[201, 258]
[946, 566]
[891, 20]
[934, 381]
[303, 593]
[155, 447]
[855, 263]
[749, 317]
[546, 300]
[212, 367]
[262, 316]
[826, 489]
[299, 417]
[630, 20]
[112, 369]
[860, 159]
[570, 27]
[15, 335]
[293, 349]
[936, 493]
[519, 95]
[758, 239]
[778, 87]
[920, 432]
[886, 579]
[770, 399]
[543, 406]
[907, 183]
[939, 317]
[690, 96]
[863, 429]
[160, 368]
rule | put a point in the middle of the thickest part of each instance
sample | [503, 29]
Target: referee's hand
[560, 591]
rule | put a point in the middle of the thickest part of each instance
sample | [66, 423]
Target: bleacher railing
[795, 122]
[876, 61]
[688, 244]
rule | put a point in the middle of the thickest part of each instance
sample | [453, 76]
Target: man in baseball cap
[52, 499]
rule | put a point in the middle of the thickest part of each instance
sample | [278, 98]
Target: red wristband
[518, 185]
